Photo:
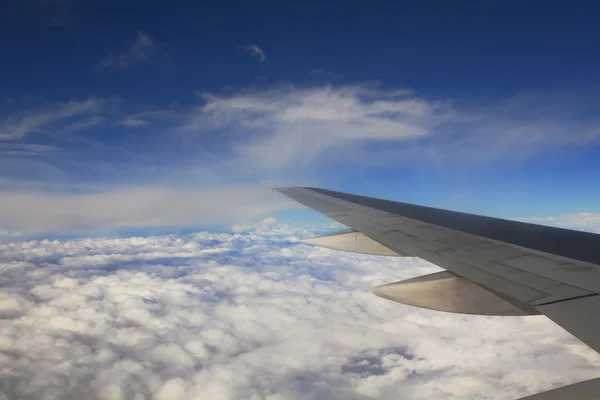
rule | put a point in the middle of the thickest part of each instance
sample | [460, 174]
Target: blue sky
[134, 115]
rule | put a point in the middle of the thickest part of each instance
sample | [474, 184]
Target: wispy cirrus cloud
[24, 149]
[41, 119]
[145, 118]
[143, 47]
[287, 125]
[84, 124]
[255, 51]
[134, 122]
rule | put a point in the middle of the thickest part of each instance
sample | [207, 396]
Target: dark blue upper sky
[477, 105]
[449, 49]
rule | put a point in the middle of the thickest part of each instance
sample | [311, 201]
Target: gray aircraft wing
[493, 266]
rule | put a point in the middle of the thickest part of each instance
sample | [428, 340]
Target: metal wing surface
[493, 266]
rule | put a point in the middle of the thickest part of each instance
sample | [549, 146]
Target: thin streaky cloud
[287, 126]
[41, 119]
[132, 122]
[256, 51]
[84, 124]
[144, 118]
[142, 48]
[20, 149]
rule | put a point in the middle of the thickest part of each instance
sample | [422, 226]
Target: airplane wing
[493, 266]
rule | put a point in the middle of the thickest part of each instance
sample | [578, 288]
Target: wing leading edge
[494, 266]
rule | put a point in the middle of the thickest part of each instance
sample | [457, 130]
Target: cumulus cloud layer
[251, 315]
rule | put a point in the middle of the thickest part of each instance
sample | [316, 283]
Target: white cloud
[142, 48]
[229, 316]
[269, 227]
[256, 51]
[135, 207]
[12, 149]
[518, 126]
[132, 122]
[279, 127]
[84, 124]
[290, 126]
[143, 118]
[585, 221]
[42, 119]
[13, 305]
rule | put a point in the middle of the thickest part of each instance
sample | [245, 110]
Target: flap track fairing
[352, 241]
[445, 291]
